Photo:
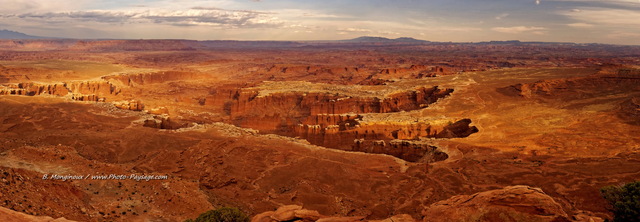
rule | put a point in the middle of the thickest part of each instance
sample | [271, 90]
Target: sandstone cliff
[153, 77]
[334, 120]
[78, 90]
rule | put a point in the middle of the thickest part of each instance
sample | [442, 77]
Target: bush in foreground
[223, 214]
[624, 201]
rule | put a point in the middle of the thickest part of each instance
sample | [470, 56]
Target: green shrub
[223, 214]
[624, 201]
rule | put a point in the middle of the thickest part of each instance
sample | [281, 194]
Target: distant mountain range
[8, 34]
[374, 39]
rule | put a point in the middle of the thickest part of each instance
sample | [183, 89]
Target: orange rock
[129, 105]
[263, 217]
[158, 111]
[285, 213]
[307, 215]
[514, 203]
[397, 218]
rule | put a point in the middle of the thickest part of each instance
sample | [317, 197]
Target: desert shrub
[223, 214]
[624, 201]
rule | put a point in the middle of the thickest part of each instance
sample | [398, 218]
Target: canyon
[315, 131]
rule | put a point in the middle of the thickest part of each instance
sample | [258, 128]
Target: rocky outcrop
[411, 151]
[165, 122]
[417, 71]
[153, 77]
[247, 108]
[514, 203]
[297, 213]
[396, 139]
[133, 105]
[13, 216]
[78, 90]
[335, 120]
[33, 89]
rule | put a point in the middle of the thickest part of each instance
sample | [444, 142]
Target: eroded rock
[297, 213]
[514, 203]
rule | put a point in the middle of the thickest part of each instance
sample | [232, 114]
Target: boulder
[263, 217]
[307, 215]
[514, 203]
[286, 213]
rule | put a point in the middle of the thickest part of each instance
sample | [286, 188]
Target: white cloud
[347, 30]
[520, 29]
[191, 17]
[619, 17]
[580, 25]
[25, 6]
[501, 16]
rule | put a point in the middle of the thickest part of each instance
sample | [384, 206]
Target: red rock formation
[295, 106]
[403, 149]
[101, 88]
[332, 120]
[387, 138]
[297, 213]
[165, 122]
[153, 77]
[32, 89]
[79, 90]
[515, 203]
[134, 105]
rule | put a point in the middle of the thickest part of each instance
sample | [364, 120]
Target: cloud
[352, 30]
[623, 35]
[520, 29]
[501, 16]
[23, 6]
[192, 17]
[580, 25]
[606, 16]
[227, 10]
[389, 33]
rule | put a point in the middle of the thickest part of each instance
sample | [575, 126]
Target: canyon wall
[335, 121]
[153, 77]
[78, 90]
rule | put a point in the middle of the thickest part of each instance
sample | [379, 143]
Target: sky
[581, 21]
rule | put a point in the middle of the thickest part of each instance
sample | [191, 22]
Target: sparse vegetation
[624, 201]
[223, 214]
